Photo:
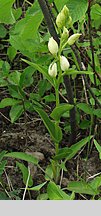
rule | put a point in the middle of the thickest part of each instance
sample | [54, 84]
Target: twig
[85, 90]
[5, 191]
[5, 116]
[9, 182]
[93, 176]
[61, 177]
[91, 92]
[65, 99]
[28, 2]
[83, 75]
[87, 60]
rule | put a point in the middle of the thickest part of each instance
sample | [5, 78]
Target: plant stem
[49, 21]
[57, 122]
[72, 111]
[52, 30]
[92, 52]
[90, 38]
[57, 97]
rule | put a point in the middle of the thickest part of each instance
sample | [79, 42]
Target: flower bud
[69, 21]
[64, 63]
[73, 38]
[65, 34]
[65, 11]
[52, 46]
[62, 17]
[52, 71]
[60, 20]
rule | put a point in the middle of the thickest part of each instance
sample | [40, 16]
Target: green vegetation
[50, 67]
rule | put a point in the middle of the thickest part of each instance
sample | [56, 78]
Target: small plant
[61, 56]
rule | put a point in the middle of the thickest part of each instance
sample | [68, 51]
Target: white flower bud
[64, 63]
[73, 38]
[60, 20]
[62, 17]
[52, 46]
[69, 21]
[65, 11]
[65, 34]
[52, 71]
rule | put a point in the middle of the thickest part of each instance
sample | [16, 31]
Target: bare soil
[32, 137]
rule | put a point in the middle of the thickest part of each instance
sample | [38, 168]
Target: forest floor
[32, 137]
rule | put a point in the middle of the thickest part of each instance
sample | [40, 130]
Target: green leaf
[85, 108]
[37, 188]
[1, 63]
[55, 193]
[60, 4]
[82, 187]
[43, 196]
[8, 102]
[85, 124]
[17, 13]
[5, 68]
[63, 153]
[15, 91]
[43, 86]
[98, 147]
[96, 183]
[62, 165]
[25, 174]
[6, 15]
[14, 78]
[35, 96]
[2, 166]
[23, 156]
[49, 98]
[96, 15]
[77, 9]
[49, 173]
[11, 52]
[24, 34]
[41, 69]
[3, 196]
[26, 78]
[15, 112]
[2, 154]
[61, 109]
[97, 112]
[33, 19]
[75, 148]
[69, 153]
[74, 72]
[55, 131]
[3, 31]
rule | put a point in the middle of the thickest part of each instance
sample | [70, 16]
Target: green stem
[55, 163]
[57, 96]
[90, 133]
[57, 122]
